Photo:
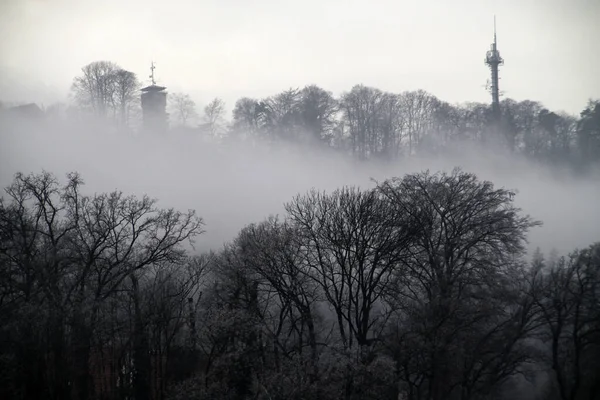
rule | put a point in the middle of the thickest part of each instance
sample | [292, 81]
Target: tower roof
[153, 88]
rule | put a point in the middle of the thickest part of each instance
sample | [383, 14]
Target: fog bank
[233, 184]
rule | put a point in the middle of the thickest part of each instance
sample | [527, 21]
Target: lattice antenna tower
[494, 61]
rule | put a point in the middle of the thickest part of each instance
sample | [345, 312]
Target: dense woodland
[417, 288]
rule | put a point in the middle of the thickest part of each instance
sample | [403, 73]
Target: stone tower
[154, 107]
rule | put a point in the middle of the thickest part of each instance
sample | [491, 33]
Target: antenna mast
[494, 60]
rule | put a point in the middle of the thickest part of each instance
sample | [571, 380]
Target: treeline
[416, 289]
[369, 123]
[365, 122]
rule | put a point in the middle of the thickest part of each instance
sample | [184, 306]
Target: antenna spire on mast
[495, 41]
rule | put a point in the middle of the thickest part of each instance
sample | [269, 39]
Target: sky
[235, 48]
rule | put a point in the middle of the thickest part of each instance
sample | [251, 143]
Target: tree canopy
[417, 288]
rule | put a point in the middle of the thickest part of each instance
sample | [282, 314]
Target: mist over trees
[416, 288]
[368, 123]
[364, 122]
[182, 107]
[214, 117]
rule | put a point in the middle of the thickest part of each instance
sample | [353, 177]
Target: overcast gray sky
[234, 48]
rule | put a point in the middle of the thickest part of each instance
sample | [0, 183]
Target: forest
[417, 288]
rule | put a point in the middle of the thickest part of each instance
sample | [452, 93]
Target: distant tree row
[365, 122]
[110, 92]
[369, 123]
[415, 289]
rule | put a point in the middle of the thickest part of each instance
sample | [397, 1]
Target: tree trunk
[312, 340]
[59, 382]
[81, 360]
[141, 350]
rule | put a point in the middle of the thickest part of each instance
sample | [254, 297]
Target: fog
[231, 185]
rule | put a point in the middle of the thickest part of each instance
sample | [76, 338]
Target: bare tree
[453, 289]
[67, 255]
[361, 111]
[95, 88]
[280, 115]
[318, 111]
[588, 132]
[351, 248]
[272, 251]
[391, 122]
[214, 116]
[182, 107]
[246, 118]
[418, 108]
[126, 94]
[566, 294]
[231, 336]
[521, 126]
[106, 88]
